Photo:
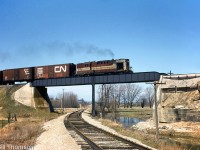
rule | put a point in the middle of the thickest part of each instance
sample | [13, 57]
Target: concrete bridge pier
[93, 97]
[93, 100]
[42, 92]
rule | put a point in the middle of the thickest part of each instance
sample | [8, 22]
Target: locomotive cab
[122, 65]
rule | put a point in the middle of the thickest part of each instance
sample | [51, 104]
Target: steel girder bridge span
[100, 79]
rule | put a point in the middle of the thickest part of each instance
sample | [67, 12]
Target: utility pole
[60, 102]
[115, 110]
[63, 101]
[156, 110]
[156, 107]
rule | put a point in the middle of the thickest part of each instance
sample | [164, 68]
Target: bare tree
[55, 102]
[107, 93]
[124, 95]
[133, 92]
[119, 95]
[142, 100]
[112, 95]
[149, 92]
[113, 102]
[104, 97]
[70, 100]
[101, 99]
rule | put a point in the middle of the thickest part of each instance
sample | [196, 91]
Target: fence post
[15, 117]
[9, 117]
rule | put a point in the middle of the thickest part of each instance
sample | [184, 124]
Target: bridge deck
[101, 79]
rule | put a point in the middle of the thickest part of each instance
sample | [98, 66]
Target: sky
[156, 35]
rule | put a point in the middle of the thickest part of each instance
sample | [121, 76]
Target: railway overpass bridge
[100, 79]
[137, 77]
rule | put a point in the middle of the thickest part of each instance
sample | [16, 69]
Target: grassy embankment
[146, 137]
[137, 112]
[29, 120]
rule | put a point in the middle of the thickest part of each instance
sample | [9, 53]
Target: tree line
[66, 100]
[112, 96]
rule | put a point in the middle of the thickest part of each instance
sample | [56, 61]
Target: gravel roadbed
[56, 136]
[86, 117]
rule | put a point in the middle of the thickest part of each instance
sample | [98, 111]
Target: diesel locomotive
[114, 66]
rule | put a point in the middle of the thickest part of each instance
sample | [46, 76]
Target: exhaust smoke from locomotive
[4, 56]
[58, 47]
[105, 52]
[78, 48]
[56, 50]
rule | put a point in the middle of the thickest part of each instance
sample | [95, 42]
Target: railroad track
[91, 137]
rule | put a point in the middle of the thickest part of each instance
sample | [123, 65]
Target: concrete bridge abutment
[36, 97]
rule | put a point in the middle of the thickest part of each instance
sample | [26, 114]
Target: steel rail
[93, 144]
[140, 147]
[88, 140]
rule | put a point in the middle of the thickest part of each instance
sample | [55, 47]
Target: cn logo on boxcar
[58, 69]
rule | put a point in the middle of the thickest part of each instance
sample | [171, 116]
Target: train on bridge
[29, 74]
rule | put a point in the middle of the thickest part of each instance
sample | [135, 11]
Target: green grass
[3, 123]
[8, 105]
[136, 112]
[21, 133]
[145, 138]
[29, 120]
[148, 136]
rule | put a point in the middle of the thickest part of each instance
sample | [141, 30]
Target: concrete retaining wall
[174, 115]
[178, 98]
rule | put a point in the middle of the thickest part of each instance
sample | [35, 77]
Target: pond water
[127, 121]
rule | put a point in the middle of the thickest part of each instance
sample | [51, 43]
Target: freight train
[29, 74]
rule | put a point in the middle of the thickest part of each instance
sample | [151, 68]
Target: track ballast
[91, 137]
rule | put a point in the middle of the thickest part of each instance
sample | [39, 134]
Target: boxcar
[54, 71]
[20, 74]
[105, 66]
